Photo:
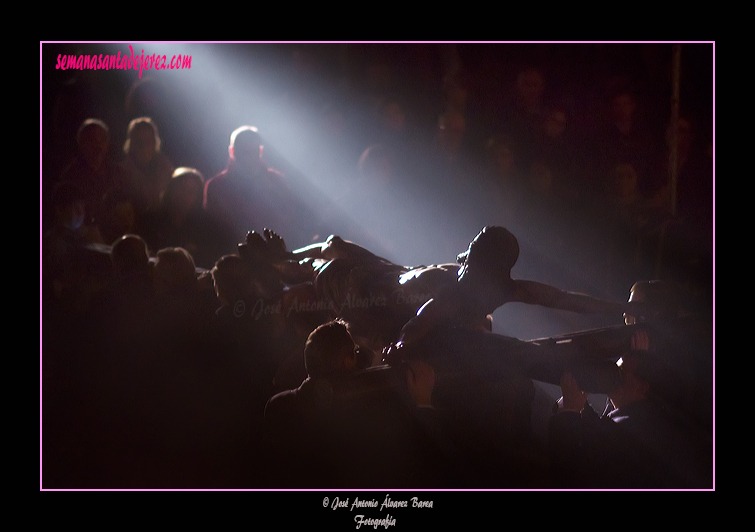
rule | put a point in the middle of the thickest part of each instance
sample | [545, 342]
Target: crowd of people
[186, 343]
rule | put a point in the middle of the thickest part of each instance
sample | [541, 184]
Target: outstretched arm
[535, 293]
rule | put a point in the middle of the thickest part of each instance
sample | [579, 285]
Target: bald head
[245, 145]
[493, 252]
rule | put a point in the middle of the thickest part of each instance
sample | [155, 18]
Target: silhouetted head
[174, 271]
[130, 255]
[329, 350]
[492, 253]
[246, 145]
[92, 140]
[233, 279]
[184, 191]
[143, 140]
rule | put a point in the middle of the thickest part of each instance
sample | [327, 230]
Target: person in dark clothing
[636, 444]
[93, 169]
[182, 222]
[258, 340]
[248, 195]
[147, 170]
[73, 268]
[322, 438]
[645, 439]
